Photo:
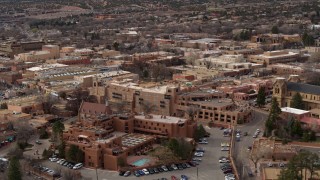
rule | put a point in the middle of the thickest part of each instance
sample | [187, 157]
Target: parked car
[174, 178]
[200, 149]
[38, 142]
[281, 165]
[160, 169]
[145, 171]
[60, 161]
[121, 173]
[151, 171]
[203, 142]
[225, 149]
[174, 167]
[155, 170]
[141, 172]
[164, 168]
[179, 166]
[224, 160]
[136, 173]
[184, 177]
[78, 166]
[126, 174]
[270, 164]
[192, 164]
[53, 159]
[188, 165]
[198, 154]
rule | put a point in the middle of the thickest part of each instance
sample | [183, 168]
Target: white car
[50, 171]
[174, 166]
[270, 164]
[77, 166]
[196, 159]
[224, 160]
[203, 142]
[198, 154]
[53, 159]
[145, 171]
[61, 161]
[225, 149]
[164, 168]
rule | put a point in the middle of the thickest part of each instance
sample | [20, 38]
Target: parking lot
[209, 167]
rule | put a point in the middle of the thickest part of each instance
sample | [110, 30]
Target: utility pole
[97, 173]
[197, 172]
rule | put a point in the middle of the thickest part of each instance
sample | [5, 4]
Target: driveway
[209, 168]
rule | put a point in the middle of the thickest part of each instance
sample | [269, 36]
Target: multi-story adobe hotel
[105, 137]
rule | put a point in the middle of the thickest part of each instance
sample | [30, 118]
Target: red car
[174, 178]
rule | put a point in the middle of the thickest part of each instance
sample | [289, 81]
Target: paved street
[242, 154]
[209, 168]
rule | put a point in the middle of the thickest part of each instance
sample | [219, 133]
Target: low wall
[232, 141]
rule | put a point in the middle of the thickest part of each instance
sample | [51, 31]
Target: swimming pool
[141, 162]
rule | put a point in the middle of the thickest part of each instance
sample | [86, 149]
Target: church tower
[280, 90]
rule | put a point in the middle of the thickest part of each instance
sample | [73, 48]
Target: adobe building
[284, 69]
[284, 90]
[272, 150]
[136, 95]
[11, 49]
[10, 77]
[213, 107]
[273, 57]
[105, 137]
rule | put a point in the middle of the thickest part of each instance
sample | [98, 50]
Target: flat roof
[158, 118]
[215, 102]
[293, 110]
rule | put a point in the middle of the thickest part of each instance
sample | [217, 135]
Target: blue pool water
[141, 162]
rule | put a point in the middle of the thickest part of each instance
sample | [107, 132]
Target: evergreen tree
[296, 128]
[297, 101]
[199, 133]
[275, 30]
[62, 149]
[75, 154]
[4, 106]
[271, 122]
[305, 160]
[14, 169]
[261, 98]
[57, 129]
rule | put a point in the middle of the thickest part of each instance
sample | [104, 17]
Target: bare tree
[148, 107]
[24, 132]
[71, 175]
[315, 57]
[191, 60]
[48, 102]
[192, 111]
[158, 71]
[258, 154]
[208, 63]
